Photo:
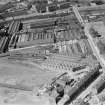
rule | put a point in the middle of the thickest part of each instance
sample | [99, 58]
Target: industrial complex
[52, 52]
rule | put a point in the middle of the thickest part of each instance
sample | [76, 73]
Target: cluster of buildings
[72, 86]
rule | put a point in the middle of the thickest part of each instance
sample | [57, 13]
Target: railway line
[82, 10]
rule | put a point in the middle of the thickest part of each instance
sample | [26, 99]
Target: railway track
[6, 39]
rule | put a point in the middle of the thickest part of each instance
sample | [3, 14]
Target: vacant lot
[23, 75]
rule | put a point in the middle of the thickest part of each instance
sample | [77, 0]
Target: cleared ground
[23, 75]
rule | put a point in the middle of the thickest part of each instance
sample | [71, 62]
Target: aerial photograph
[52, 52]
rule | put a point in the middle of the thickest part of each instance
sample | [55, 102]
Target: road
[87, 26]
[93, 46]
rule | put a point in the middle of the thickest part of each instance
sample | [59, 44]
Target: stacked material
[72, 55]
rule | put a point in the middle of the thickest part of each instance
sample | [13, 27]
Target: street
[93, 46]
